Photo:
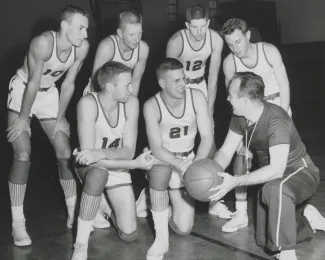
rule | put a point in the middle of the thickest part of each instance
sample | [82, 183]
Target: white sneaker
[219, 209]
[70, 219]
[19, 233]
[80, 251]
[239, 220]
[286, 255]
[316, 220]
[100, 221]
[142, 204]
[158, 248]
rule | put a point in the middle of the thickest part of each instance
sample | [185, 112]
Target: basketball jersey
[262, 68]
[106, 135]
[53, 67]
[194, 60]
[178, 133]
[132, 61]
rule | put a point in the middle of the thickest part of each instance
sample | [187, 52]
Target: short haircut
[128, 17]
[168, 64]
[109, 71]
[196, 12]
[233, 24]
[70, 10]
[251, 85]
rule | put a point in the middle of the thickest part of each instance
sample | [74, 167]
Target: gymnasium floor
[45, 210]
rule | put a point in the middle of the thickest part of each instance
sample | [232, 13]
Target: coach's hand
[229, 183]
[17, 128]
[87, 157]
[145, 160]
[63, 126]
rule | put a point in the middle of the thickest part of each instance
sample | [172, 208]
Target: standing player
[107, 130]
[125, 47]
[172, 118]
[264, 60]
[32, 91]
[193, 46]
[288, 175]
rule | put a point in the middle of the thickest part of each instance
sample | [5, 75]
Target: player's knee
[95, 181]
[22, 156]
[183, 229]
[63, 152]
[128, 237]
[159, 177]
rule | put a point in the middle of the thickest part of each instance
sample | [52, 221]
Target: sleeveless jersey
[262, 68]
[194, 60]
[53, 67]
[178, 133]
[132, 61]
[107, 135]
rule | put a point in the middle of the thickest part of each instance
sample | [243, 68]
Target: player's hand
[145, 160]
[63, 126]
[229, 183]
[87, 157]
[184, 164]
[17, 128]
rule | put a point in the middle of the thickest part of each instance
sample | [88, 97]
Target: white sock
[17, 212]
[71, 202]
[83, 231]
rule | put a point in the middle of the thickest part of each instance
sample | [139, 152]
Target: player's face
[123, 87]
[77, 29]
[238, 43]
[235, 101]
[198, 28]
[175, 83]
[131, 35]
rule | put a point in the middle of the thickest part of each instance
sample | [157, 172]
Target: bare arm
[152, 117]
[275, 60]
[140, 67]
[204, 124]
[215, 61]
[174, 46]
[68, 85]
[224, 155]
[278, 161]
[228, 69]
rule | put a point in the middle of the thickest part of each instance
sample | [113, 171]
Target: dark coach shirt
[274, 127]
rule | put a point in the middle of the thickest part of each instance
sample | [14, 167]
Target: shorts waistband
[197, 80]
[272, 96]
[183, 154]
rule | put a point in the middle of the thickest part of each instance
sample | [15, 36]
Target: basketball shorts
[45, 106]
[201, 86]
[176, 180]
[115, 178]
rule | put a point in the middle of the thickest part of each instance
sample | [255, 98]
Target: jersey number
[114, 144]
[175, 132]
[195, 66]
[54, 73]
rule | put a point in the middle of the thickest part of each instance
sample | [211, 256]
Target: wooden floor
[45, 210]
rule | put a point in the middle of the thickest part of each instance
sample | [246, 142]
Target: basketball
[200, 177]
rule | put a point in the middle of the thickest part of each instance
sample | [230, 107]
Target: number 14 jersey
[178, 133]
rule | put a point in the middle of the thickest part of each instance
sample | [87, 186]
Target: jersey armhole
[160, 116]
[53, 43]
[210, 39]
[193, 105]
[182, 44]
[92, 95]
[138, 52]
[113, 46]
[124, 109]
[265, 55]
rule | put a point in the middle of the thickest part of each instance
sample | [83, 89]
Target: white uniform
[117, 56]
[178, 133]
[194, 61]
[111, 136]
[46, 103]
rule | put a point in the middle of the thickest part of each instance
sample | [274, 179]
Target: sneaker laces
[79, 250]
[19, 229]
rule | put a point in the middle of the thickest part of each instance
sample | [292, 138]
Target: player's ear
[187, 25]
[64, 25]
[208, 22]
[119, 32]
[109, 87]
[161, 82]
[248, 34]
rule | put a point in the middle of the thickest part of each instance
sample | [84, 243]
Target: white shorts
[45, 106]
[176, 179]
[201, 86]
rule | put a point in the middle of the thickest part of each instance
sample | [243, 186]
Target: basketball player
[32, 91]
[172, 118]
[107, 130]
[264, 60]
[125, 47]
[193, 46]
[288, 175]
